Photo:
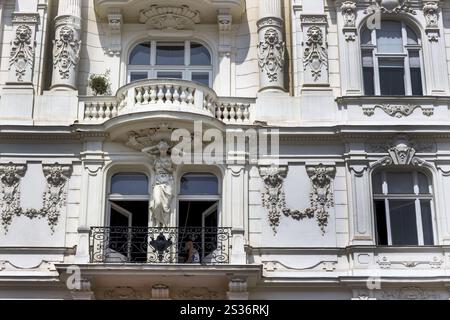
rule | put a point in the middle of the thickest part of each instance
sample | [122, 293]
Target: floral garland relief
[22, 51]
[271, 54]
[321, 197]
[54, 197]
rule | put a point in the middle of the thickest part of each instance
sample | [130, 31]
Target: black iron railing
[159, 245]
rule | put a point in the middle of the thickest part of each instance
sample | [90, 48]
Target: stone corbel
[10, 176]
[225, 22]
[315, 49]
[237, 289]
[115, 21]
[431, 14]
[84, 291]
[348, 10]
[160, 292]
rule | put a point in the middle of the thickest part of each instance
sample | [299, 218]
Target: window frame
[405, 56]
[416, 196]
[186, 70]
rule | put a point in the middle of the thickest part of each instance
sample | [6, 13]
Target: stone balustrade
[166, 95]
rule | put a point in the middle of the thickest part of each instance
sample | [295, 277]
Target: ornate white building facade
[353, 202]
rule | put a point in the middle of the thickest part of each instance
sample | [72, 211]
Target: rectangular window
[134, 76]
[170, 54]
[368, 74]
[427, 224]
[392, 77]
[201, 77]
[380, 215]
[169, 75]
[416, 74]
[403, 222]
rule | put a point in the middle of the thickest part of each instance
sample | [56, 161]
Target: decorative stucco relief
[54, 196]
[321, 197]
[22, 52]
[386, 263]
[271, 54]
[398, 111]
[348, 10]
[172, 18]
[406, 293]
[315, 54]
[392, 7]
[431, 14]
[66, 51]
[197, 294]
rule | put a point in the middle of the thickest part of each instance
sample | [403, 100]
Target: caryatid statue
[162, 193]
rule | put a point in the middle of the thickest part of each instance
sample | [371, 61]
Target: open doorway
[198, 217]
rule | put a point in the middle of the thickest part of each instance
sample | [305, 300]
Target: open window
[128, 203]
[403, 207]
[198, 218]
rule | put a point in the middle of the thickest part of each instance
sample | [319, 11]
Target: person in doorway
[192, 255]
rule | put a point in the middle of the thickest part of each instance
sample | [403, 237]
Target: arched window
[186, 60]
[391, 60]
[403, 206]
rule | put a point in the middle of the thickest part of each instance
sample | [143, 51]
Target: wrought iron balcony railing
[159, 245]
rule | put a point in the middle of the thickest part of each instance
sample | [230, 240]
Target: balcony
[166, 95]
[159, 245]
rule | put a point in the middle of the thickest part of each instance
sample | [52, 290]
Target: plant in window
[100, 83]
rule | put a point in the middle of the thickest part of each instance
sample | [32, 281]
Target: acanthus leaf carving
[271, 54]
[172, 18]
[321, 197]
[431, 14]
[54, 196]
[66, 51]
[348, 10]
[22, 52]
[315, 54]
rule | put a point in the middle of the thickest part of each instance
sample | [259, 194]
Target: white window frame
[401, 55]
[186, 70]
[416, 196]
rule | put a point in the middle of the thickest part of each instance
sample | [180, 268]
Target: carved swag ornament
[321, 197]
[315, 55]
[22, 51]
[66, 51]
[54, 196]
[271, 54]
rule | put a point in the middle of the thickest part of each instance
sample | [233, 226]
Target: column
[271, 46]
[66, 45]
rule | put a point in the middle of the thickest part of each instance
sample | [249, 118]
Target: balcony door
[198, 218]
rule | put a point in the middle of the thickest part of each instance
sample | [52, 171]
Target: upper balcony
[166, 95]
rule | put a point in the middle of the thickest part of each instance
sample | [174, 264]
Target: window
[391, 60]
[128, 202]
[175, 60]
[403, 206]
[199, 211]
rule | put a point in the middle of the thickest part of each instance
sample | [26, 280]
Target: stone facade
[305, 226]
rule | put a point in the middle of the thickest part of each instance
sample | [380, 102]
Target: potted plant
[100, 83]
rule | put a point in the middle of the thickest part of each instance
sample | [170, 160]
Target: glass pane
[412, 36]
[200, 55]
[427, 224]
[416, 74]
[400, 183]
[140, 54]
[134, 76]
[170, 54]
[392, 77]
[377, 183]
[381, 226]
[169, 75]
[201, 77]
[129, 184]
[366, 37]
[199, 184]
[424, 185]
[389, 37]
[369, 84]
[403, 222]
